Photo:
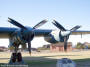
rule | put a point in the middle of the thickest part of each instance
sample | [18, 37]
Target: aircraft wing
[80, 32]
[6, 31]
[41, 32]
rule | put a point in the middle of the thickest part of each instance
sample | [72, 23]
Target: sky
[29, 12]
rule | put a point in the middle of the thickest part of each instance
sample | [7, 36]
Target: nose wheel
[16, 58]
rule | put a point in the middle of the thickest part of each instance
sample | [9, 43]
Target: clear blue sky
[29, 12]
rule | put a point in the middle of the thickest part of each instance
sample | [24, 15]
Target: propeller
[29, 47]
[40, 24]
[16, 23]
[58, 25]
[65, 43]
[28, 37]
[65, 32]
[75, 28]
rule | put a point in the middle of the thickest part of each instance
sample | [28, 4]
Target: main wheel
[14, 57]
[19, 57]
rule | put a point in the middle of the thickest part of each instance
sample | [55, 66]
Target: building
[86, 43]
[2, 48]
[59, 47]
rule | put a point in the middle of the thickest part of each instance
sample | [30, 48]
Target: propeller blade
[65, 46]
[75, 28]
[65, 43]
[40, 24]
[58, 25]
[29, 47]
[16, 23]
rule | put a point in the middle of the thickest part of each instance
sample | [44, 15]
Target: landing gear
[16, 58]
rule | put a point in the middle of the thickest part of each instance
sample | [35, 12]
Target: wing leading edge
[6, 31]
[41, 32]
[79, 32]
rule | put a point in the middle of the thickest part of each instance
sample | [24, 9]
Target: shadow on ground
[44, 61]
[83, 62]
[47, 62]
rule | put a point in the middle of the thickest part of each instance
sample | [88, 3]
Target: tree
[80, 46]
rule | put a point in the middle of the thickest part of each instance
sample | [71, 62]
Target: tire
[19, 57]
[14, 57]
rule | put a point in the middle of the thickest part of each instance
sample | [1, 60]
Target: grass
[50, 59]
[52, 63]
[82, 60]
[41, 63]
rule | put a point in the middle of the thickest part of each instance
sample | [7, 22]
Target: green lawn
[52, 63]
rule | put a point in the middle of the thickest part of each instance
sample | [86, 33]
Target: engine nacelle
[56, 36]
[20, 37]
